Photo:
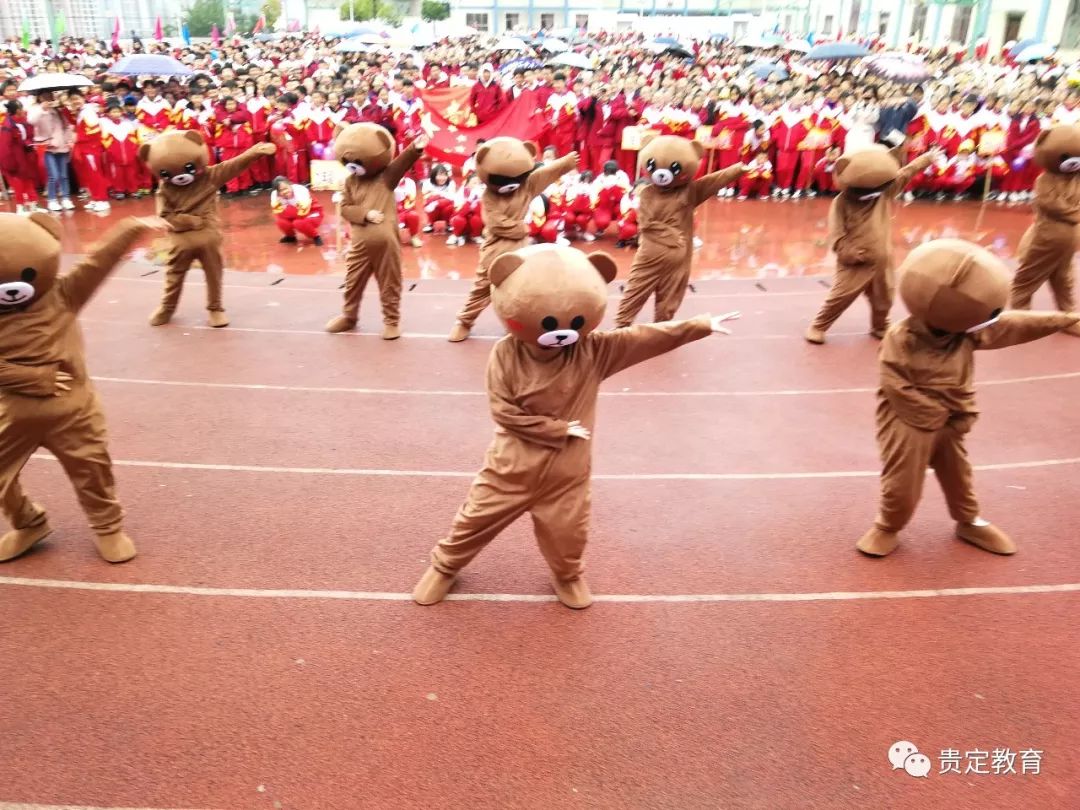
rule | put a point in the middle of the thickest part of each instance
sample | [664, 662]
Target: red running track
[286, 485]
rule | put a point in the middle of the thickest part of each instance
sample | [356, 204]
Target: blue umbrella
[668, 40]
[1035, 53]
[1024, 43]
[525, 63]
[836, 51]
[149, 64]
[764, 70]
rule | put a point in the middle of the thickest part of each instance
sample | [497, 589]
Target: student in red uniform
[439, 192]
[233, 139]
[1024, 128]
[468, 219]
[88, 154]
[321, 126]
[18, 159]
[627, 234]
[408, 214]
[261, 108]
[288, 131]
[581, 200]
[758, 178]
[561, 108]
[119, 137]
[611, 187]
[823, 171]
[486, 96]
[296, 211]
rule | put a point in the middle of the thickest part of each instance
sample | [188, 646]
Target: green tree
[204, 15]
[368, 10]
[272, 10]
[434, 10]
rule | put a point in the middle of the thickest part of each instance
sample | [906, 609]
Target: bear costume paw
[433, 587]
[815, 336]
[19, 541]
[574, 594]
[115, 548]
[161, 316]
[218, 319]
[878, 542]
[986, 536]
[391, 332]
[459, 333]
[341, 324]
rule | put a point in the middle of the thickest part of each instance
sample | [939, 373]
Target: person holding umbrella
[54, 130]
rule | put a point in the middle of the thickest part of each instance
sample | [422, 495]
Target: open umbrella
[797, 45]
[1022, 44]
[149, 64]
[355, 45]
[836, 52]
[553, 45]
[1035, 53]
[902, 71]
[570, 59]
[510, 44]
[53, 81]
[763, 70]
[525, 63]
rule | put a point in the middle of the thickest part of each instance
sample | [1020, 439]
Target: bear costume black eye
[28, 275]
[190, 167]
[550, 324]
[996, 313]
[577, 323]
[650, 164]
[676, 168]
[164, 173]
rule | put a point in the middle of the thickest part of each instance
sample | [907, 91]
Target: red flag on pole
[448, 116]
[215, 35]
[260, 24]
[116, 33]
[157, 30]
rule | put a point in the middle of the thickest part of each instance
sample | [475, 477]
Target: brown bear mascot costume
[666, 224]
[956, 292]
[1047, 249]
[860, 232]
[46, 399]
[542, 383]
[367, 204]
[512, 180]
[187, 200]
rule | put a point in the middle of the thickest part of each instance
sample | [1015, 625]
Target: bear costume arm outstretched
[1016, 327]
[30, 381]
[705, 188]
[621, 348]
[546, 175]
[508, 413]
[1056, 198]
[398, 167]
[221, 173]
[908, 172]
[77, 287]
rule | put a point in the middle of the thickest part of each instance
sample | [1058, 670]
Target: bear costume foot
[574, 594]
[391, 332]
[115, 548]
[433, 587]
[19, 541]
[218, 319]
[815, 336]
[986, 536]
[459, 333]
[341, 324]
[1073, 330]
[878, 542]
[161, 316]
[878, 334]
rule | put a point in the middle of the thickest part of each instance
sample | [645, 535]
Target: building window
[856, 12]
[477, 20]
[512, 21]
[547, 21]
[883, 23]
[1013, 21]
[1070, 36]
[960, 24]
[787, 22]
[826, 25]
[581, 21]
[918, 22]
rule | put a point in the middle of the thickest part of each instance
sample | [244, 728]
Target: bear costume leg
[213, 268]
[179, 263]
[848, 284]
[358, 269]
[1043, 260]
[28, 520]
[388, 277]
[480, 294]
[953, 471]
[645, 277]
[670, 292]
[79, 443]
[561, 523]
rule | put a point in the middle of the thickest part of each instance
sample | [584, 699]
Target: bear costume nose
[12, 293]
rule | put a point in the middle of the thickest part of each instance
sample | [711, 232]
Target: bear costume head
[551, 296]
[504, 164]
[364, 149]
[954, 286]
[866, 174]
[175, 157]
[669, 161]
[30, 260]
[1058, 149]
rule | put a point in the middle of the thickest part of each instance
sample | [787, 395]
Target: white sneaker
[479, 240]
[562, 241]
[697, 243]
[103, 206]
[453, 241]
[54, 206]
[67, 204]
[588, 237]
[416, 242]
[909, 197]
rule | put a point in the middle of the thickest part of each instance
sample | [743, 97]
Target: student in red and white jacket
[408, 214]
[321, 128]
[261, 109]
[627, 233]
[296, 211]
[757, 180]
[468, 219]
[823, 171]
[232, 139]
[611, 187]
[120, 139]
[153, 110]
[580, 201]
[439, 192]
[562, 113]
[88, 154]
[487, 98]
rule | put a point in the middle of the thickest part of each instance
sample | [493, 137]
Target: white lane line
[180, 327]
[794, 392]
[377, 473]
[464, 291]
[634, 598]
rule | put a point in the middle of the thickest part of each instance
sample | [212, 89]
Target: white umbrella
[510, 44]
[553, 45]
[797, 45]
[571, 59]
[53, 81]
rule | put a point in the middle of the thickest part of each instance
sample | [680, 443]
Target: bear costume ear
[841, 165]
[503, 266]
[604, 264]
[144, 152]
[699, 150]
[194, 137]
[1042, 136]
[384, 136]
[532, 149]
[51, 224]
[481, 153]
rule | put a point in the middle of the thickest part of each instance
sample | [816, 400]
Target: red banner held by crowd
[454, 133]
